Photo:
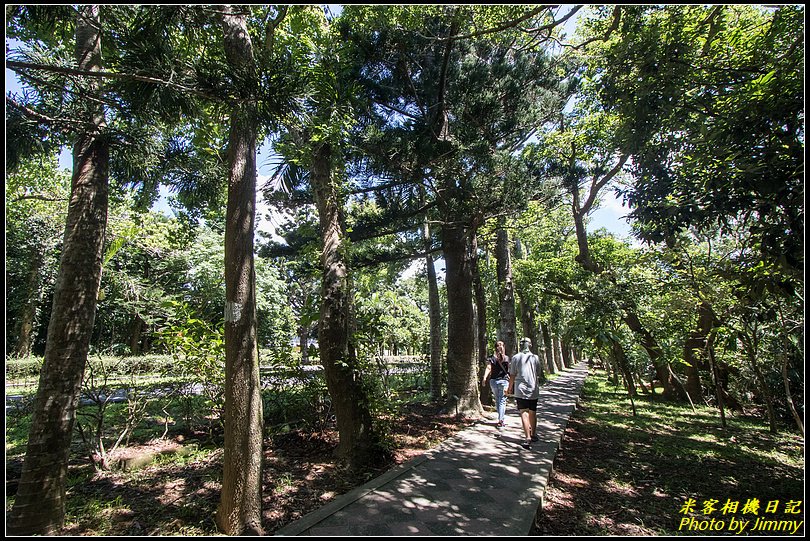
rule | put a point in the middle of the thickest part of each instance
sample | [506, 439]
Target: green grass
[639, 470]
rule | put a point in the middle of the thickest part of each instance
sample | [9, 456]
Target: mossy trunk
[507, 331]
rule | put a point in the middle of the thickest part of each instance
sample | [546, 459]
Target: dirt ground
[178, 496]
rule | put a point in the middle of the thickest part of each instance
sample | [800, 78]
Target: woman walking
[497, 371]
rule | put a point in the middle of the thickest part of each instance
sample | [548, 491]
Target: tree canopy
[477, 134]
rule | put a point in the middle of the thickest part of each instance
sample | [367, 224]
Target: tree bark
[435, 319]
[789, 395]
[557, 353]
[621, 360]
[565, 349]
[303, 339]
[506, 291]
[481, 323]
[695, 343]
[549, 347]
[358, 440]
[240, 506]
[39, 507]
[25, 327]
[136, 330]
[462, 384]
[751, 348]
[653, 350]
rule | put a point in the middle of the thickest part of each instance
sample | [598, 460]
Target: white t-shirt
[525, 367]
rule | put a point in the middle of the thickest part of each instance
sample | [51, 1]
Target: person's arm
[486, 374]
[511, 384]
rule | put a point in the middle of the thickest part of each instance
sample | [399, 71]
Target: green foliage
[36, 205]
[198, 351]
[23, 368]
[295, 396]
[388, 316]
[709, 102]
[103, 429]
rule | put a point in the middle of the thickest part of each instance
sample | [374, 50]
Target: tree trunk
[530, 330]
[789, 395]
[717, 385]
[621, 360]
[435, 318]
[652, 348]
[481, 324]
[506, 291]
[751, 354]
[357, 439]
[549, 347]
[462, 384]
[25, 326]
[136, 329]
[694, 344]
[39, 507]
[640, 382]
[566, 353]
[240, 506]
[557, 354]
[303, 339]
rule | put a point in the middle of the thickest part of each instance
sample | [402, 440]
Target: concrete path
[472, 484]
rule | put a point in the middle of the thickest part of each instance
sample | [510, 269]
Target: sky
[609, 216]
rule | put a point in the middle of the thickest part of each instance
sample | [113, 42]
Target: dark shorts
[524, 404]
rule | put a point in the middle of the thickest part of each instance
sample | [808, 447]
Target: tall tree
[314, 148]
[239, 510]
[39, 507]
[506, 290]
[36, 203]
[435, 316]
[449, 139]
[707, 105]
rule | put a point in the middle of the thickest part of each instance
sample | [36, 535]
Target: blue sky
[609, 216]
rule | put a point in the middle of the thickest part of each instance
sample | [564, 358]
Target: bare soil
[178, 495]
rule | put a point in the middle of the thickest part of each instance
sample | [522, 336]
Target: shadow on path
[474, 483]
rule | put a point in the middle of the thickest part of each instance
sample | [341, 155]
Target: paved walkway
[472, 484]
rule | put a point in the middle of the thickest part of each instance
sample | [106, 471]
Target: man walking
[524, 370]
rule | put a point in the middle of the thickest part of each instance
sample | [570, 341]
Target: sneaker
[526, 444]
[535, 438]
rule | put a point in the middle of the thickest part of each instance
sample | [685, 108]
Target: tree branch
[17, 65]
[38, 198]
[617, 13]
[68, 124]
[501, 27]
[597, 184]
[396, 110]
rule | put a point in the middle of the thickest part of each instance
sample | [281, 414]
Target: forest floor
[177, 494]
[615, 474]
[621, 474]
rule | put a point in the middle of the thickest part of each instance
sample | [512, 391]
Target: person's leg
[527, 423]
[501, 397]
[493, 385]
[533, 424]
